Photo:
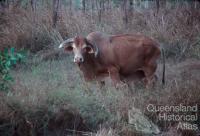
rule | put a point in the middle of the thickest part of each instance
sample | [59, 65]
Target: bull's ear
[69, 48]
[91, 47]
[67, 44]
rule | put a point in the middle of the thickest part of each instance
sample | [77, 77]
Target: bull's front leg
[115, 77]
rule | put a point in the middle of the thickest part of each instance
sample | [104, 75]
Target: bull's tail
[163, 72]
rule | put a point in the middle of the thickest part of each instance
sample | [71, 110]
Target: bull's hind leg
[149, 72]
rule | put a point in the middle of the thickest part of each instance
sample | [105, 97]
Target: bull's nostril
[81, 59]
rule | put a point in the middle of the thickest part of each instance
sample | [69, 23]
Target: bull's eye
[69, 48]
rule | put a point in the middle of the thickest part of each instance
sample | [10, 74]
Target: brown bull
[118, 56]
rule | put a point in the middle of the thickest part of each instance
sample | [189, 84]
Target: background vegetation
[48, 95]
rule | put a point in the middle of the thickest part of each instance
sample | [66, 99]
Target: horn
[93, 46]
[66, 42]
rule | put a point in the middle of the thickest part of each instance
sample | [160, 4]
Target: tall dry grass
[54, 91]
[25, 29]
[177, 29]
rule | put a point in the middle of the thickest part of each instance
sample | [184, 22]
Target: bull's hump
[97, 35]
[99, 38]
[94, 34]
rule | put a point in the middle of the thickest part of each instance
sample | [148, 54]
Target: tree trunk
[3, 5]
[108, 4]
[83, 5]
[56, 5]
[103, 5]
[92, 5]
[70, 7]
[99, 9]
[124, 9]
[162, 3]
[197, 4]
[33, 5]
[130, 10]
[157, 6]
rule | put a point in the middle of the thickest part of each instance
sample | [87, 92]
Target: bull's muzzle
[78, 60]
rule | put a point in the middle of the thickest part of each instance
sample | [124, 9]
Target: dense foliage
[8, 58]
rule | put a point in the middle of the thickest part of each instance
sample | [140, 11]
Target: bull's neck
[89, 62]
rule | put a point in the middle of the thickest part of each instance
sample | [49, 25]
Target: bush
[8, 58]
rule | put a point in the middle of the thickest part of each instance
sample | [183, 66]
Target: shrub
[8, 58]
